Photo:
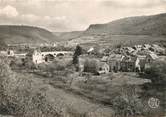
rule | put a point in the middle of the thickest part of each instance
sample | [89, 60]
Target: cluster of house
[128, 59]
[126, 63]
[125, 59]
[143, 49]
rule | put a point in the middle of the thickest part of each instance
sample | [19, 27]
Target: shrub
[60, 67]
[91, 66]
[51, 67]
[21, 95]
[156, 73]
[30, 65]
[127, 103]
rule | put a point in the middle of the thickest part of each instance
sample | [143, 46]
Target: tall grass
[22, 96]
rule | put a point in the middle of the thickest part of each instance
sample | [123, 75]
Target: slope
[12, 34]
[140, 25]
[126, 31]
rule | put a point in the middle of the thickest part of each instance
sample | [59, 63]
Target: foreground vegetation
[157, 74]
[20, 95]
[125, 93]
[28, 95]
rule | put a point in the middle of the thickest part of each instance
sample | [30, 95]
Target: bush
[128, 104]
[91, 66]
[156, 73]
[55, 66]
[20, 95]
[30, 65]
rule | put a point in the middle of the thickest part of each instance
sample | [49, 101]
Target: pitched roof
[141, 57]
[129, 59]
[104, 58]
[115, 57]
[153, 56]
[91, 49]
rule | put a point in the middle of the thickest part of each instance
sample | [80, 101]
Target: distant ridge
[17, 34]
[126, 31]
[139, 25]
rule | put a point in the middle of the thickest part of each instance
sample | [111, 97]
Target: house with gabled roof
[150, 58]
[130, 64]
[114, 61]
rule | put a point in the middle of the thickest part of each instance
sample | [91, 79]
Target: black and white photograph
[82, 58]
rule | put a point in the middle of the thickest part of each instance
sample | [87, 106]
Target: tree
[3, 45]
[77, 53]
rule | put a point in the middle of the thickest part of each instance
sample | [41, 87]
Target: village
[127, 59]
[120, 59]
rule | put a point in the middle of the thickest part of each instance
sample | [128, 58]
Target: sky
[73, 15]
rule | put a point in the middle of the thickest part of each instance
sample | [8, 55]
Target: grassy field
[105, 89]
